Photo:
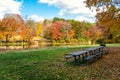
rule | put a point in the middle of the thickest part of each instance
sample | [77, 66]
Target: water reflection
[33, 45]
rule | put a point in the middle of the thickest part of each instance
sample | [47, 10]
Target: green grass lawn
[49, 64]
[113, 45]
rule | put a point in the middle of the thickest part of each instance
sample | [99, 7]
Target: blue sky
[33, 7]
[39, 10]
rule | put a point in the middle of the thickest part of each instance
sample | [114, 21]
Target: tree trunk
[23, 44]
[6, 42]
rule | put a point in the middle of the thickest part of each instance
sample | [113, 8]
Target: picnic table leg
[102, 52]
[75, 60]
[79, 59]
[83, 57]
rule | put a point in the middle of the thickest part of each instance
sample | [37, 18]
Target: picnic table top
[85, 51]
[91, 49]
[78, 53]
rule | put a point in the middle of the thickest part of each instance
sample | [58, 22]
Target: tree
[47, 22]
[1, 28]
[30, 27]
[92, 35]
[9, 27]
[76, 27]
[56, 34]
[108, 16]
[48, 32]
[58, 30]
[39, 30]
[61, 29]
[71, 34]
[99, 3]
[24, 32]
[79, 27]
[55, 19]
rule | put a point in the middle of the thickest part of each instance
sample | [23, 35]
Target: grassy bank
[49, 64]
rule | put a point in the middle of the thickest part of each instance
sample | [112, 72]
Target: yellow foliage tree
[39, 30]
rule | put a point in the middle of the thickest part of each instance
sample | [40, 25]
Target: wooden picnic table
[87, 54]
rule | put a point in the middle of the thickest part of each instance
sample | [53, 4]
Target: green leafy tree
[79, 27]
[55, 19]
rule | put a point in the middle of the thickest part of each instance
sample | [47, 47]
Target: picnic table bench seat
[68, 57]
[99, 54]
[105, 51]
[89, 57]
[93, 57]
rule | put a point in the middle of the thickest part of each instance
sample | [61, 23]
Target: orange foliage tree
[71, 34]
[62, 31]
[56, 34]
[59, 30]
[9, 27]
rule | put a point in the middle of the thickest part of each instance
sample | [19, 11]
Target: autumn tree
[79, 27]
[47, 33]
[92, 35]
[71, 34]
[47, 22]
[39, 30]
[8, 27]
[1, 30]
[63, 28]
[24, 32]
[30, 27]
[76, 27]
[108, 17]
[59, 30]
[12, 23]
[56, 34]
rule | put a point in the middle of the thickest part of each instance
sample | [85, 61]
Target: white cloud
[9, 6]
[72, 7]
[36, 18]
[82, 18]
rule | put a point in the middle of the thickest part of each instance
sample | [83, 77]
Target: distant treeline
[14, 28]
